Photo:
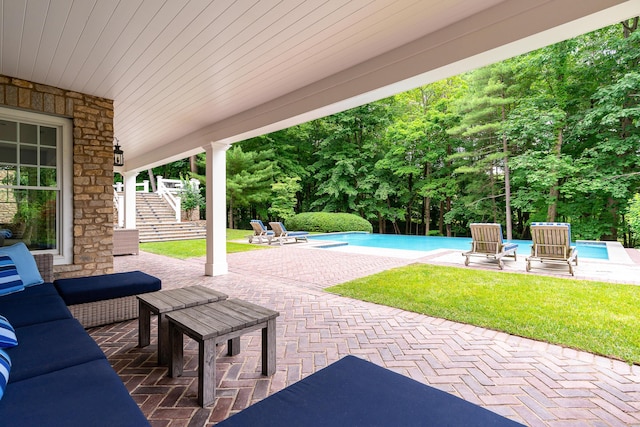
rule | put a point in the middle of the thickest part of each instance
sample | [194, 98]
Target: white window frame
[64, 252]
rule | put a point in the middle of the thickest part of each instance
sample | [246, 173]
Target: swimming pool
[595, 250]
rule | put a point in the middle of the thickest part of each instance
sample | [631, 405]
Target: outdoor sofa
[58, 375]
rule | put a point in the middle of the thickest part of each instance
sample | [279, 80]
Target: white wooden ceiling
[183, 73]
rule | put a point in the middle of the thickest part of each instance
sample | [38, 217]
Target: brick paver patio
[528, 381]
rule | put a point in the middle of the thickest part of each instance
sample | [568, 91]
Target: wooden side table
[211, 324]
[163, 302]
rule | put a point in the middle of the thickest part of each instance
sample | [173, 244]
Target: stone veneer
[92, 167]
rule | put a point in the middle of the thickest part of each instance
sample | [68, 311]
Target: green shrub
[190, 198]
[327, 222]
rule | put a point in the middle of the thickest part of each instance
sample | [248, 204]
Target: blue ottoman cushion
[79, 290]
[90, 394]
[51, 346]
[354, 392]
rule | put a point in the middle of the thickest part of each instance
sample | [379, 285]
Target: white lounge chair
[260, 232]
[487, 242]
[552, 244]
[282, 235]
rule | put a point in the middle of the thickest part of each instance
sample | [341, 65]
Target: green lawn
[597, 317]
[184, 249]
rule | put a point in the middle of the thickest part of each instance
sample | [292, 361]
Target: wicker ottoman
[108, 298]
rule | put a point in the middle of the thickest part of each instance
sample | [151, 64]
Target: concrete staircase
[156, 221]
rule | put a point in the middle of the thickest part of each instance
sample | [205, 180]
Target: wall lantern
[118, 155]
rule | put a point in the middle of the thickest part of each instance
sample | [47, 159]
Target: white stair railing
[118, 202]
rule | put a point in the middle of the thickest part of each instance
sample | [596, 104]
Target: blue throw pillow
[25, 263]
[7, 334]
[10, 280]
[5, 367]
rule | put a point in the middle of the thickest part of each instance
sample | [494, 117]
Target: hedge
[327, 222]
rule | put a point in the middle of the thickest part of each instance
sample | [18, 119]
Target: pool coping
[617, 254]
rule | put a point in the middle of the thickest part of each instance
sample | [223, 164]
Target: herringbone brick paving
[531, 382]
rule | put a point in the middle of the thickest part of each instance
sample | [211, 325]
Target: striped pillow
[5, 367]
[10, 280]
[7, 334]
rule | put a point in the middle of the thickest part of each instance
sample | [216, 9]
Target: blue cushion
[5, 367]
[354, 392]
[6, 233]
[46, 289]
[293, 233]
[89, 394]
[81, 290]
[7, 334]
[29, 311]
[51, 346]
[25, 263]
[10, 280]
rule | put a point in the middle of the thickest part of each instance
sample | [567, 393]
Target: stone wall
[92, 167]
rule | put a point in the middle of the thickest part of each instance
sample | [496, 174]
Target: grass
[597, 317]
[194, 248]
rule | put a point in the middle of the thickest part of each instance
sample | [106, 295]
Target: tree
[610, 163]
[249, 178]
[633, 214]
[345, 158]
[417, 145]
[483, 127]
[291, 152]
[283, 200]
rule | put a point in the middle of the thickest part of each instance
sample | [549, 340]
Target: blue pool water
[595, 250]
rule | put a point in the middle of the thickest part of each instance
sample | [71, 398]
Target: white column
[130, 199]
[216, 199]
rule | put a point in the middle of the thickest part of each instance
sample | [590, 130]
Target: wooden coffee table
[211, 324]
[163, 302]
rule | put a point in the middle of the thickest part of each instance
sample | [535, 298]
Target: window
[35, 186]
